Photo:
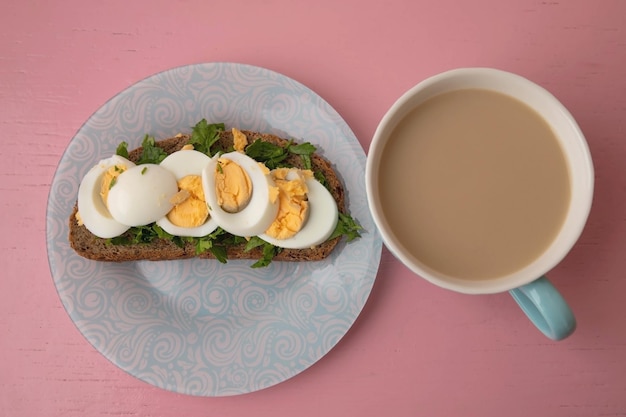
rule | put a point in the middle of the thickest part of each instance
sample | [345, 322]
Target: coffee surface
[474, 184]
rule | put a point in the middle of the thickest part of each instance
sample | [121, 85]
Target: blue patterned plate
[195, 326]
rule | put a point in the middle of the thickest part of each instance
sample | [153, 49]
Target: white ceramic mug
[528, 286]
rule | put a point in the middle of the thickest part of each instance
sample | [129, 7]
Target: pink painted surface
[416, 349]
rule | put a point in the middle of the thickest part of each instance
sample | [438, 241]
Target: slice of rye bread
[89, 246]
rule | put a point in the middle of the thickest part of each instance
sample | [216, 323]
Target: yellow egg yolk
[190, 208]
[108, 180]
[233, 187]
[240, 141]
[273, 191]
[293, 207]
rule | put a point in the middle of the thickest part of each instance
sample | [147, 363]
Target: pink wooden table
[415, 349]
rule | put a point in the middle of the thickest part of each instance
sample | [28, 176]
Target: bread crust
[92, 247]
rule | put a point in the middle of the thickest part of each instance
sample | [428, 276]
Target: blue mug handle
[546, 308]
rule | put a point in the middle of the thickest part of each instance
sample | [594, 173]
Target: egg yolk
[273, 191]
[233, 187]
[293, 206]
[108, 180]
[190, 209]
[240, 141]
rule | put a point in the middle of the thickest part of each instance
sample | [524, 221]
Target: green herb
[150, 154]
[219, 167]
[162, 234]
[254, 242]
[305, 150]
[268, 153]
[135, 235]
[113, 181]
[204, 135]
[319, 175]
[267, 249]
[144, 234]
[273, 155]
[207, 243]
[141, 234]
[203, 245]
[232, 240]
[348, 227]
[143, 171]
[122, 150]
[147, 234]
[116, 168]
[220, 253]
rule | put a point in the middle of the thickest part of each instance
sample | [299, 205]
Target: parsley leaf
[346, 226]
[319, 175]
[162, 234]
[233, 240]
[272, 155]
[254, 242]
[302, 149]
[204, 135]
[135, 235]
[122, 150]
[208, 243]
[268, 153]
[150, 154]
[307, 161]
[268, 251]
[305, 150]
[203, 245]
[219, 252]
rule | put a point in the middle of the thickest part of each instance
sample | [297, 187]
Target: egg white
[141, 195]
[93, 212]
[260, 212]
[320, 223]
[181, 164]
[185, 162]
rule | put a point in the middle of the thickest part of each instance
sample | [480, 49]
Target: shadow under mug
[530, 288]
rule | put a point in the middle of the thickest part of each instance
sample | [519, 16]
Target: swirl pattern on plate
[195, 326]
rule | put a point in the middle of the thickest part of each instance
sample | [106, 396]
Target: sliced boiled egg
[93, 195]
[297, 227]
[293, 204]
[141, 195]
[241, 196]
[190, 214]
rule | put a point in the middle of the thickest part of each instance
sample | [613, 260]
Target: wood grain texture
[416, 349]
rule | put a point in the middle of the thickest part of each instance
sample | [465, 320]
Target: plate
[199, 327]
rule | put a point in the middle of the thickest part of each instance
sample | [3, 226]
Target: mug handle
[546, 308]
